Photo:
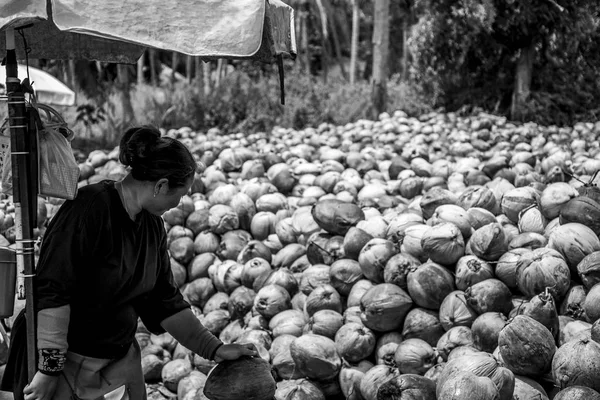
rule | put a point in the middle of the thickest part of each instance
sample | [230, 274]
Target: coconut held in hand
[247, 378]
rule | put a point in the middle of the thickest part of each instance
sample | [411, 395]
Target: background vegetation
[531, 60]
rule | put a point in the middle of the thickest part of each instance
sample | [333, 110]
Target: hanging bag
[5, 161]
[58, 170]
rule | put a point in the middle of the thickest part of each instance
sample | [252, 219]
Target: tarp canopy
[119, 30]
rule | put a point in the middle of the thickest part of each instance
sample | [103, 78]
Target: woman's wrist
[51, 361]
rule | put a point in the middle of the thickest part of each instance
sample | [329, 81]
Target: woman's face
[167, 198]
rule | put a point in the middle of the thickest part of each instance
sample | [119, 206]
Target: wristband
[51, 361]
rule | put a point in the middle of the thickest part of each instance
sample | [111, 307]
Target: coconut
[384, 307]
[479, 217]
[554, 197]
[470, 270]
[543, 309]
[316, 356]
[454, 311]
[582, 210]
[434, 198]
[486, 329]
[443, 243]
[344, 274]
[324, 297]
[281, 276]
[455, 215]
[434, 372]
[288, 255]
[423, 324]
[358, 290]
[532, 220]
[244, 378]
[577, 393]
[288, 322]
[174, 371]
[540, 269]
[591, 304]
[325, 323]
[489, 295]
[414, 356]
[354, 241]
[397, 268]
[407, 386]
[571, 329]
[528, 389]
[271, 300]
[526, 346]
[467, 386]
[576, 364]
[516, 200]
[350, 377]
[589, 269]
[385, 348]
[506, 267]
[298, 389]
[313, 277]
[397, 227]
[573, 241]
[527, 240]
[478, 196]
[354, 342]
[482, 365]
[411, 243]
[488, 242]
[428, 284]
[454, 337]
[336, 216]
[572, 304]
[374, 378]
[374, 257]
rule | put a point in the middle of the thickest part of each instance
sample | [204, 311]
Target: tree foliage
[465, 52]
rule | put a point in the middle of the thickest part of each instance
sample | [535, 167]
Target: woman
[104, 263]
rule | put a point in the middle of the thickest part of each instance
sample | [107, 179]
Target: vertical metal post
[21, 174]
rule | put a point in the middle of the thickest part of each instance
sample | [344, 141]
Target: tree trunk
[174, 61]
[336, 40]
[199, 71]
[354, 45]
[207, 77]
[405, 53]
[219, 72]
[381, 44]
[189, 61]
[128, 117]
[303, 14]
[140, 70]
[523, 77]
[72, 78]
[152, 62]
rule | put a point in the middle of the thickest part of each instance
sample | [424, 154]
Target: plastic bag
[5, 159]
[58, 170]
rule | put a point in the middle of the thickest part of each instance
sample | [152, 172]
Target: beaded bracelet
[51, 361]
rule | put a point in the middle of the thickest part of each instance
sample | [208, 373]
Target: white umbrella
[48, 89]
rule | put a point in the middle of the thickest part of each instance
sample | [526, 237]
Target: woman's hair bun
[137, 145]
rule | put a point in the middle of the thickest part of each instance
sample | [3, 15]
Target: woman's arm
[187, 330]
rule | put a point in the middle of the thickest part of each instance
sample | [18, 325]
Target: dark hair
[152, 157]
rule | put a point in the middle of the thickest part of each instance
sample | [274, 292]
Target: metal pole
[21, 174]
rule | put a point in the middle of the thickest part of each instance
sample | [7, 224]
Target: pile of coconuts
[431, 257]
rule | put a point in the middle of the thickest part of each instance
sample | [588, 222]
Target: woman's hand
[42, 387]
[234, 351]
